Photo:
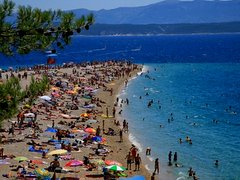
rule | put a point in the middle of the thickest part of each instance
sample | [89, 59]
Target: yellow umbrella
[27, 106]
[57, 152]
[76, 131]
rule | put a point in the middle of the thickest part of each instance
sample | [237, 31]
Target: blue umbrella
[97, 138]
[52, 130]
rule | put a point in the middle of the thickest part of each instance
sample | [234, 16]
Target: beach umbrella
[77, 131]
[71, 92]
[97, 138]
[29, 115]
[47, 98]
[57, 152]
[41, 172]
[52, 130]
[91, 121]
[85, 115]
[116, 168]
[38, 161]
[55, 88]
[21, 158]
[112, 162]
[27, 106]
[90, 130]
[74, 163]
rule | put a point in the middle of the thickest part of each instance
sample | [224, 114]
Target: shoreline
[147, 161]
[126, 144]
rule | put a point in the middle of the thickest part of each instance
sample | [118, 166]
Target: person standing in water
[156, 166]
[170, 156]
[175, 157]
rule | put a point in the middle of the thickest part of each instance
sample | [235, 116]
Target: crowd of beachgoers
[72, 131]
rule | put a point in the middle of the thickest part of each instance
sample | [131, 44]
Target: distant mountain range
[170, 12]
[155, 29]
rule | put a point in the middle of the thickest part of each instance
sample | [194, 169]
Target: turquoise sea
[204, 101]
[194, 77]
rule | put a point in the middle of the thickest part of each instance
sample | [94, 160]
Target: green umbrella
[116, 168]
[21, 158]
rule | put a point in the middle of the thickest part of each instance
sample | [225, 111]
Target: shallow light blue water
[202, 92]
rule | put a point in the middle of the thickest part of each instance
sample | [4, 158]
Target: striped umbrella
[112, 162]
[116, 168]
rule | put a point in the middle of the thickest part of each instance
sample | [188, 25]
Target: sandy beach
[87, 86]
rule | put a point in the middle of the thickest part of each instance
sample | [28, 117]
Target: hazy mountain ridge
[156, 29]
[170, 12]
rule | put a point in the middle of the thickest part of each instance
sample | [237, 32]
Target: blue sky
[88, 4]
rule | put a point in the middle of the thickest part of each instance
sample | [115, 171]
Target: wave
[137, 49]
[135, 142]
[101, 49]
[133, 78]
[182, 176]
[145, 68]
[147, 167]
[150, 158]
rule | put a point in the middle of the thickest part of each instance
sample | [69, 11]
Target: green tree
[10, 96]
[34, 29]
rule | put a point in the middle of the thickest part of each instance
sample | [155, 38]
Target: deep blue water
[139, 49]
[196, 76]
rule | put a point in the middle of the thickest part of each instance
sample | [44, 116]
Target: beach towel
[31, 149]
[89, 106]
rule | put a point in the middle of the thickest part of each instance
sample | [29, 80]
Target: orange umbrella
[55, 88]
[71, 92]
[77, 131]
[85, 115]
[37, 161]
[112, 162]
[90, 130]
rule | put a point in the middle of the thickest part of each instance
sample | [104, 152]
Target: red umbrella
[112, 162]
[74, 163]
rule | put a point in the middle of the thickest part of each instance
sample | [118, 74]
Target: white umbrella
[47, 98]
[29, 115]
